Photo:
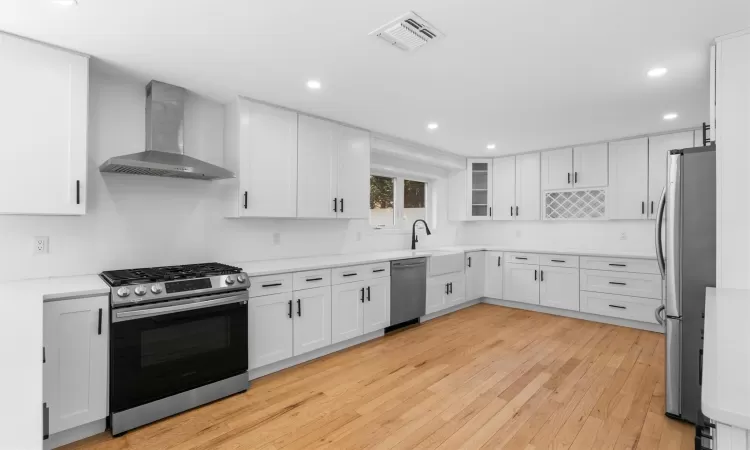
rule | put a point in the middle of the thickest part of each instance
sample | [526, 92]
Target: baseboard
[443, 312]
[75, 434]
[287, 363]
[576, 315]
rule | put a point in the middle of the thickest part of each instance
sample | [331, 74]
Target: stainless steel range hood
[164, 155]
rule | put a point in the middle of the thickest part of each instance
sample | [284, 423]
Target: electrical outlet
[277, 239]
[41, 245]
[623, 236]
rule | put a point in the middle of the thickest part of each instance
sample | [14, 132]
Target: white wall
[135, 221]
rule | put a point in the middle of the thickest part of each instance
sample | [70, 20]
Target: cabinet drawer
[620, 264]
[311, 279]
[558, 260]
[270, 284]
[622, 306]
[362, 272]
[379, 270]
[635, 284]
[522, 258]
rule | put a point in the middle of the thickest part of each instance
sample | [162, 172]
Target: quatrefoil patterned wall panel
[575, 205]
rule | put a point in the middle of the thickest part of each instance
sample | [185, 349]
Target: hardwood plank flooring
[484, 377]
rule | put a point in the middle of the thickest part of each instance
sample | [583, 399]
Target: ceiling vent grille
[408, 32]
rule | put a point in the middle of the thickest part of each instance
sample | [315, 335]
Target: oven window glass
[184, 340]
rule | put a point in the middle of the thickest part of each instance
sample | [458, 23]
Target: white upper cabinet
[334, 170]
[504, 188]
[44, 117]
[557, 169]
[628, 179]
[261, 147]
[590, 166]
[480, 188]
[658, 149]
[528, 195]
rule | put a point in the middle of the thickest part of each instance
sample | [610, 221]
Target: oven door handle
[120, 316]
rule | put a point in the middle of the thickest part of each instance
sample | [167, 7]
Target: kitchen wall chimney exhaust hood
[165, 155]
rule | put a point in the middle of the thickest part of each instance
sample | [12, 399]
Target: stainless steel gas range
[178, 339]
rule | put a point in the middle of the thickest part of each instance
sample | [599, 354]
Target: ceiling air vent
[408, 32]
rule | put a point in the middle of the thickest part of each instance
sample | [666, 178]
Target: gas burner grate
[166, 273]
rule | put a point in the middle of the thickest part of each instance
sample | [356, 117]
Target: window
[396, 202]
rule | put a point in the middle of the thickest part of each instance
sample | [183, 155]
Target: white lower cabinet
[76, 345]
[377, 306]
[493, 275]
[445, 291]
[622, 283]
[475, 262]
[728, 437]
[622, 306]
[521, 283]
[271, 334]
[359, 308]
[312, 319]
[558, 287]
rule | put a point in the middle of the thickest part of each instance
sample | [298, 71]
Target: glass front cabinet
[480, 186]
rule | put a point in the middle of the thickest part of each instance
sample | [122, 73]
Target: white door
[437, 294]
[504, 188]
[557, 169]
[480, 189]
[317, 164]
[658, 150]
[628, 179]
[475, 263]
[44, 117]
[353, 173]
[268, 160]
[312, 319]
[76, 345]
[521, 283]
[493, 284]
[590, 166]
[527, 187]
[347, 311]
[558, 287]
[377, 307]
[271, 329]
[457, 290]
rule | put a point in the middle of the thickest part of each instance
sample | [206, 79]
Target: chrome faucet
[414, 239]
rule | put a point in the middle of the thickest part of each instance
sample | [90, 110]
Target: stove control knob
[241, 278]
[229, 280]
[140, 291]
[123, 292]
[156, 289]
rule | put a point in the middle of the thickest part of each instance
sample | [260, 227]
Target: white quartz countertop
[726, 357]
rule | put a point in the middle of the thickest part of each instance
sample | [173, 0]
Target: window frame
[399, 226]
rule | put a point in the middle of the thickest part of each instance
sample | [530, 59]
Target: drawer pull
[619, 265]
[519, 257]
[314, 279]
[271, 285]
[350, 274]
[617, 283]
[378, 270]
[558, 260]
[617, 306]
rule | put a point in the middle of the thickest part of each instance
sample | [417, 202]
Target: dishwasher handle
[399, 264]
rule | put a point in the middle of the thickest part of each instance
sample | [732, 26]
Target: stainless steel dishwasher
[408, 291]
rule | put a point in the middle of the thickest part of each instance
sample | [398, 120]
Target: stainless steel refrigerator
[686, 253]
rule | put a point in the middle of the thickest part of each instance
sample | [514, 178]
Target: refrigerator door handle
[657, 234]
[657, 314]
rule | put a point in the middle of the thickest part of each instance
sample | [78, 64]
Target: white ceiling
[526, 74]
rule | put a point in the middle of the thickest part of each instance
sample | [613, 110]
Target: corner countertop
[726, 357]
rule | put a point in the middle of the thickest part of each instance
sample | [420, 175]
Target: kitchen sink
[442, 262]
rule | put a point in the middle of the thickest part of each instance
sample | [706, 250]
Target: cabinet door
[557, 169]
[521, 283]
[44, 117]
[480, 188]
[658, 150]
[493, 285]
[377, 307]
[457, 291]
[354, 173]
[558, 287]
[312, 319]
[271, 329]
[437, 294]
[268, 160]
[628, 179]
[475, 263]
[528, 195]
[347, 311]
[76, 361]
[504, 188]
[590, 166]
[317, 163]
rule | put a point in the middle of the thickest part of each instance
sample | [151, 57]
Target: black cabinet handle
[618, 265]
[245, 199]
[342, 205]
[451, 286]
[643, 207]
[335, 205]
[519, 257]
[558, 260]
[575, 178]
[498, 261]
[378, 270]
[534, 274]
[100, 322]
[362, 291]
[368, 293]
[511, 210]
[568, 177]
[271, 285]
[516, 211]
[45, 421]
[447, 291]
[469, 261]
[78, 192]
[299, 307]
[290, 309]
[490, 211]
[652, 206]
[350, 274]
[700, 367]
[541, 275]
[44, 354]
[314, 279]
[617, 306]
[617, 283]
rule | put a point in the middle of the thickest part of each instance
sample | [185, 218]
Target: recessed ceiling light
[65, 2]
[432, 126]
[657, 72]
[490, 146]
[313, 84]
[670, 116]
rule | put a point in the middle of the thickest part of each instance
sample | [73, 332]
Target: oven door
[164, 349]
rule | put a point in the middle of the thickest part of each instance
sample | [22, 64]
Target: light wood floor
[485, 377]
